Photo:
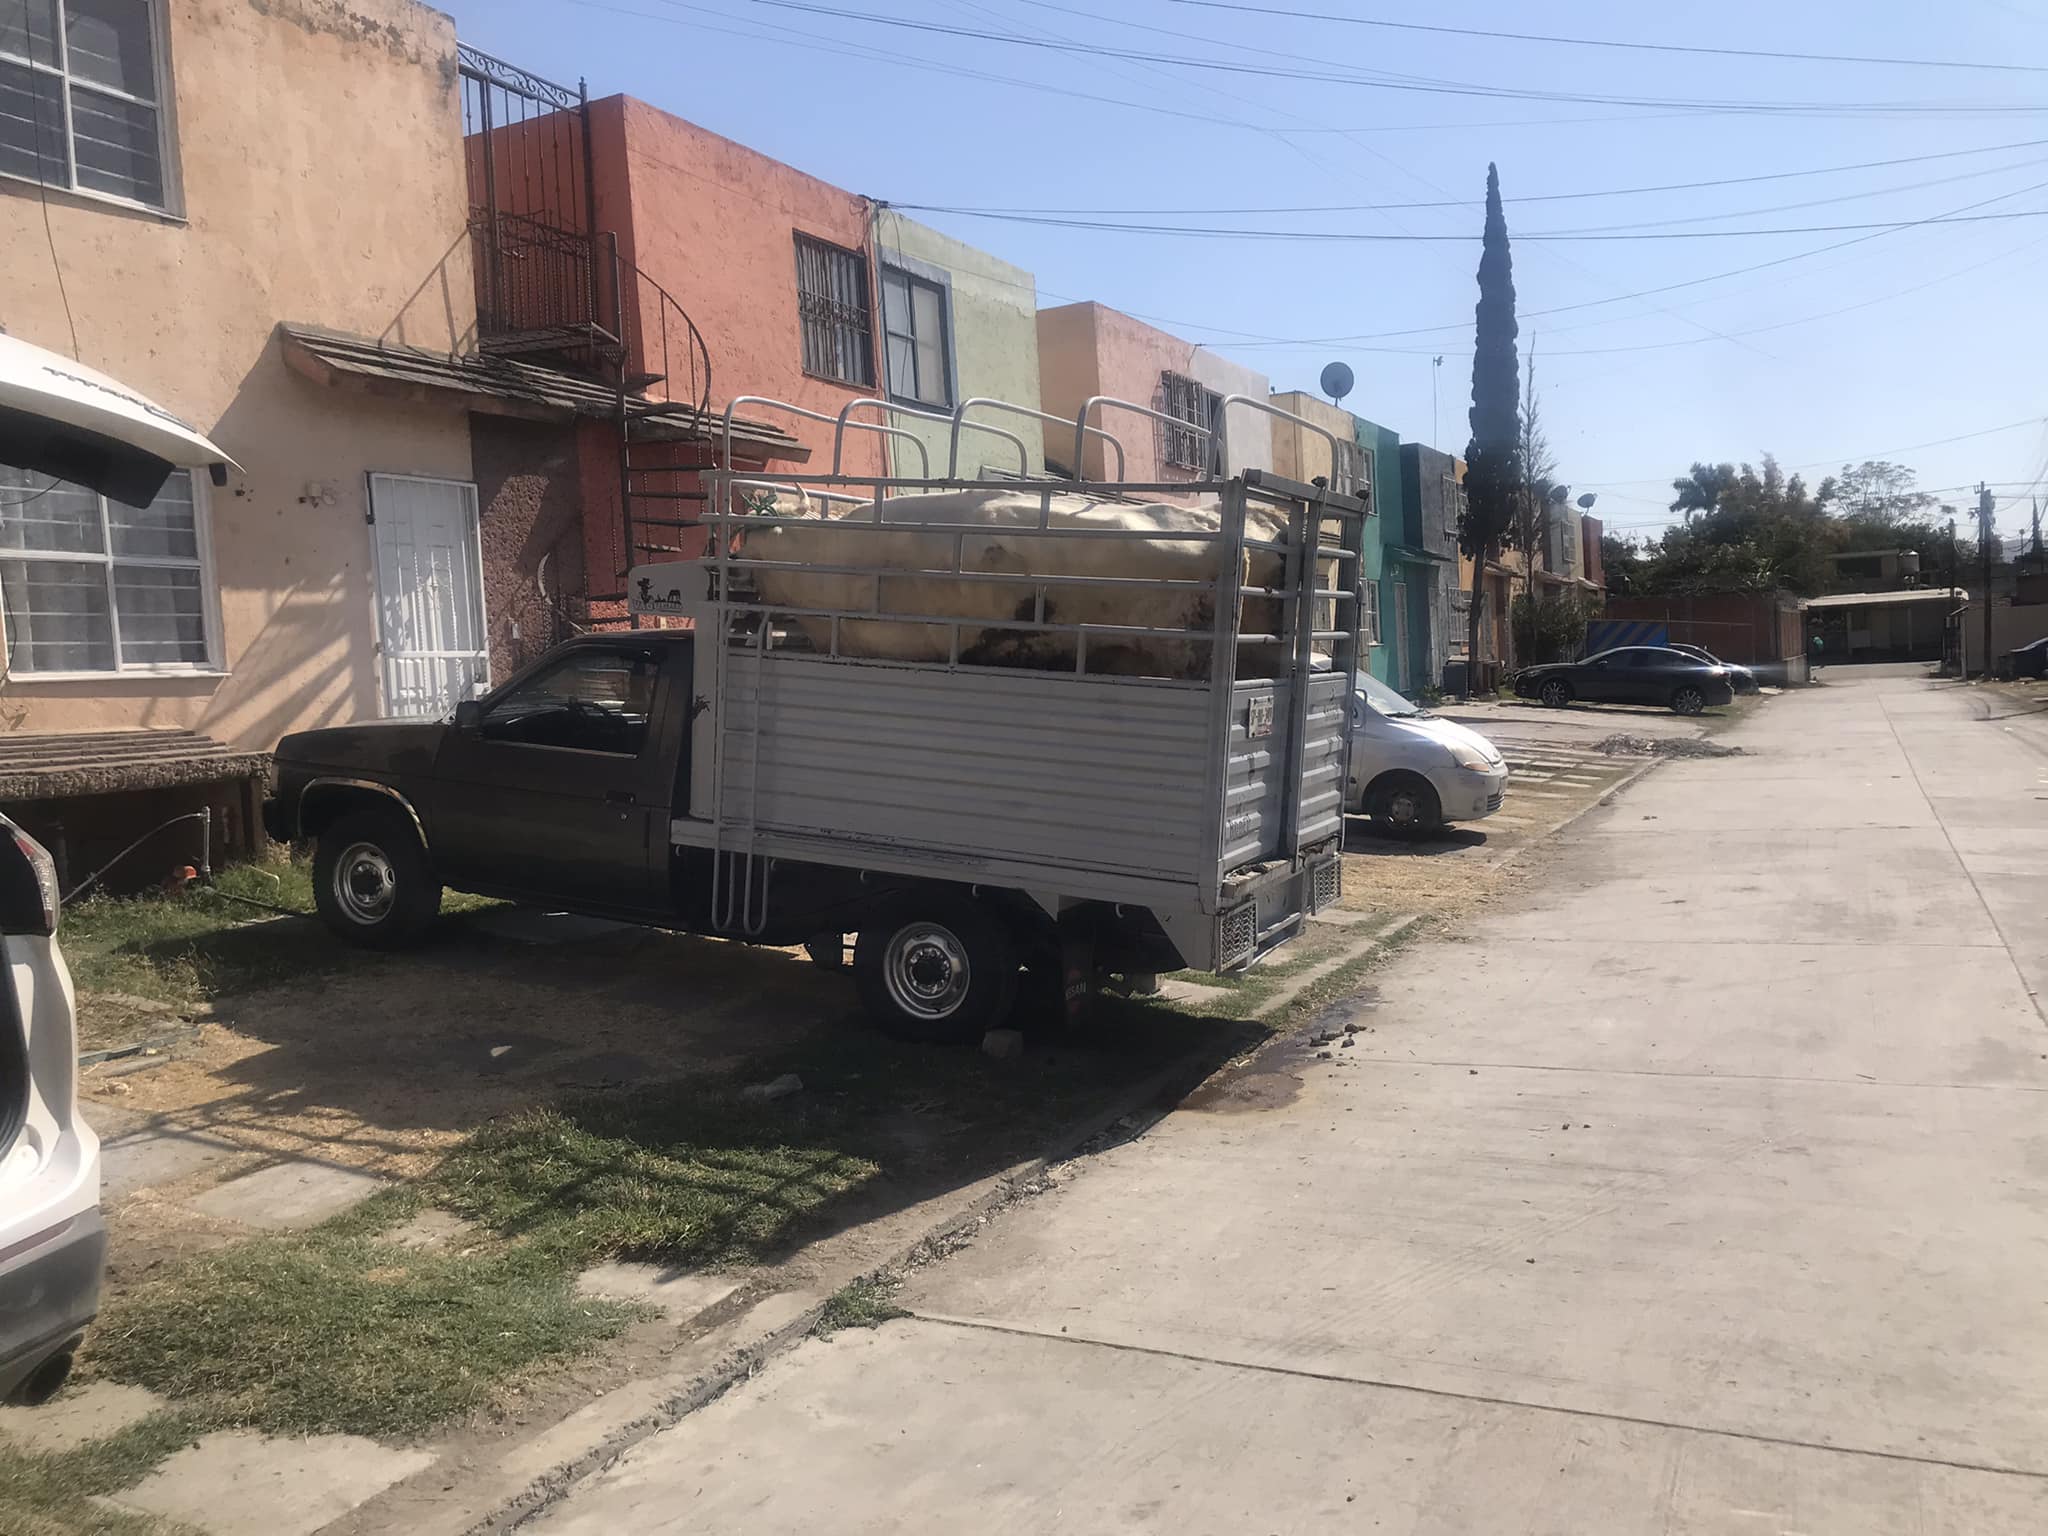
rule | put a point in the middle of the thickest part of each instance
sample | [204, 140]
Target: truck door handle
[620, 797]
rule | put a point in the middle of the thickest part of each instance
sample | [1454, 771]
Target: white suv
[69, 422]
[53, 1244]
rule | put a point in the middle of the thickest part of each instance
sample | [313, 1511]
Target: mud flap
[1077, 965]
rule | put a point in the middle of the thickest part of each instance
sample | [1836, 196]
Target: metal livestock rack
[1214, 801]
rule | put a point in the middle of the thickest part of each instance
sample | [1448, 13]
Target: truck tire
[935, 970]
[372, 882]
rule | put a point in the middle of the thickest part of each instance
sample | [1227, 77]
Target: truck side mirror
[469, 715]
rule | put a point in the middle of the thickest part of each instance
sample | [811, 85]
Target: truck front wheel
[372, 882]
[936, 971]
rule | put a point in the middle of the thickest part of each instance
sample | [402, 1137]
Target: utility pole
[1985, 525]
[1436, 369]
[1962, 651]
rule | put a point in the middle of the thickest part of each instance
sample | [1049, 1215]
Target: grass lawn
[182, 949]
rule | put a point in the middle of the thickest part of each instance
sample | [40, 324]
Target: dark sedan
[1740, 678]
[1638, 674]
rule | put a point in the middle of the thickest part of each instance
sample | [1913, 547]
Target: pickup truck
[979, 828]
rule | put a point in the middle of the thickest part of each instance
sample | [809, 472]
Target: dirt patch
[1624, 745]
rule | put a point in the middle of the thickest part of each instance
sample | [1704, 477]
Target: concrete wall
[2012, 625]
[321, 160]
[714, 223]
[995, 347]
[530, 494]
[1752, 629]
[1090, 349]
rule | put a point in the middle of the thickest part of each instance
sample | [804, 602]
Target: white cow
[906, 572]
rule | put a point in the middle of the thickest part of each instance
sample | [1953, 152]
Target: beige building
[1086, 350]
[209, 169]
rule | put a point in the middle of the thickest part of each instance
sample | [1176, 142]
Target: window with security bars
[81, 97]
[1188, 400]
[833, 311]
[92, 585]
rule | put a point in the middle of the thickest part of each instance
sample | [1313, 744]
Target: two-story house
[176, 178]
[1086, 350]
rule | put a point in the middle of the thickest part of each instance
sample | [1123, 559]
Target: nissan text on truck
[1003, 730]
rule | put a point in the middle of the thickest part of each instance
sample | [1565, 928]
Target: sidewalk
[1700, 1193]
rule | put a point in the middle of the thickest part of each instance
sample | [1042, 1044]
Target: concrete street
[1705, 1190]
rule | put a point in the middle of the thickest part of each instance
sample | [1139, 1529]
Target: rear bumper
[49, 1292]
[1270, 911]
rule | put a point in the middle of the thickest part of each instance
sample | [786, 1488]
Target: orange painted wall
[714, 223]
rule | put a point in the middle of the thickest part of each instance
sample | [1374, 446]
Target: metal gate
[430, 593]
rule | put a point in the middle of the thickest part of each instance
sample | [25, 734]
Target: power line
[1346, 236]
[1422, 86]
[1608, 42]
[1850, 458]
[848, 49]
[1544, 197]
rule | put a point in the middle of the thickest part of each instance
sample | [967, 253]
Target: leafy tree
[1876, 494]
[1619, 558]
[1493, 461]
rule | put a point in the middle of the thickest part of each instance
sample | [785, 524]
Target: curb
[1642, 770]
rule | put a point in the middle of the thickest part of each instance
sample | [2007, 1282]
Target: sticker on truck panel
[1261, 722]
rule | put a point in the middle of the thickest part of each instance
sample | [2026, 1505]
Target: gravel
[1625, 745]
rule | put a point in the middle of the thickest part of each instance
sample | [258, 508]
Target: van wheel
[1404, 804]
[372, 882]
[1688, 700]
[937, 971]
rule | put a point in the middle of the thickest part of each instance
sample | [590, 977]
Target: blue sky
[1897, 341]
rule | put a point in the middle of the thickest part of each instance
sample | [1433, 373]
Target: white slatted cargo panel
[1099, 774]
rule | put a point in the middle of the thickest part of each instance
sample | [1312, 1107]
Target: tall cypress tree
[1493, 461]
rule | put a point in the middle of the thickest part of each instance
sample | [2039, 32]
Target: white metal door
[430, 593]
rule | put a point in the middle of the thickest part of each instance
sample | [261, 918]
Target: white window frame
[1372, 611]
[913, 273]
[209, 598]
[173, 204]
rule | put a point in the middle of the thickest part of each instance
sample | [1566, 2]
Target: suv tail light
[28, 885]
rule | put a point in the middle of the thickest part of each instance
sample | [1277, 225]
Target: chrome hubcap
[364, 884]
[1403, 810]
[926, 971]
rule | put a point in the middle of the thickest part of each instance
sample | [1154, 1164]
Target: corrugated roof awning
[508, 387]
[55, 767]
[1953, 595]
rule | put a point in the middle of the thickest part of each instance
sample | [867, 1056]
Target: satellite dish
[1337, 381]
[1586, 501]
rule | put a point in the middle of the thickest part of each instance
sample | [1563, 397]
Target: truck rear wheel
[939, 971]
[372, 882]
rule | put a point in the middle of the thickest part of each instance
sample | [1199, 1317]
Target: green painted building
[1401, 576]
